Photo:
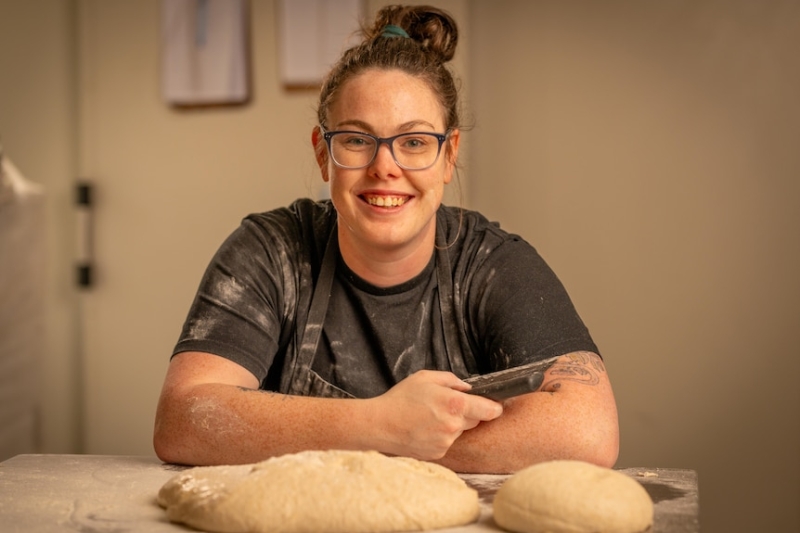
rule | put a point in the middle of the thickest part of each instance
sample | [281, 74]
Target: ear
[320, 152]
[451, 153]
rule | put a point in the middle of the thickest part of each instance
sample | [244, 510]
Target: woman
[351, 323]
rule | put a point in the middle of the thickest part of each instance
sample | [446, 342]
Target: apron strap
[316, 314]
[459, 364]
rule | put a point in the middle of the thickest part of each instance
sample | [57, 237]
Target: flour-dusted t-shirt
[252, 304]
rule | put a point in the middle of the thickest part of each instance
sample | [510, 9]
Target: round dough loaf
[572, 497]
[323, 492]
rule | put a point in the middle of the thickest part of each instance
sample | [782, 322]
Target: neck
[389, 266]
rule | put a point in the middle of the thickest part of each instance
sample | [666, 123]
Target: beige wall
[650, 151]
[646, 149]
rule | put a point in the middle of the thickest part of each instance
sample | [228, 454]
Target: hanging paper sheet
[205, 52]
[313, 35]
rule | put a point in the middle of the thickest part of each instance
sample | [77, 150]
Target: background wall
[649, 151]
[646, 149]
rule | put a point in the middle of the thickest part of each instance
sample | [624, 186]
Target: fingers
[467, 406]
[481, 409]
[473, 407]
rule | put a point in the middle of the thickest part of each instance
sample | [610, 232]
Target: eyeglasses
[411, 151]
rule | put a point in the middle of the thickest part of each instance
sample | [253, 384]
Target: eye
[354, 141]
[415, 142]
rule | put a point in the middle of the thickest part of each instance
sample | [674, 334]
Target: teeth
[386, 201]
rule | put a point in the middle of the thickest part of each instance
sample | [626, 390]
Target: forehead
[386, 99]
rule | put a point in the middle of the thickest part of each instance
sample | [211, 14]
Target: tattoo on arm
[580, 367]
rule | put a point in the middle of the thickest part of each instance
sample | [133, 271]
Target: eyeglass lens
[411, 151]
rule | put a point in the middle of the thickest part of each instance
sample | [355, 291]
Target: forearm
[224, 424]
[573, 417]
[202, 423]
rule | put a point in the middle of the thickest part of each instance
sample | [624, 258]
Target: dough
[572, 497]
[321, 492]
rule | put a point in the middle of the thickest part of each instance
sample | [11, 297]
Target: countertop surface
[117, 494]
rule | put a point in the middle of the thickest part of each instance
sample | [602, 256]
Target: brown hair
[432, 38]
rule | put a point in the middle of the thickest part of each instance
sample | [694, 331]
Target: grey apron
[299, 378]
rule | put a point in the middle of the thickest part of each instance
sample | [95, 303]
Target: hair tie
[390, 31]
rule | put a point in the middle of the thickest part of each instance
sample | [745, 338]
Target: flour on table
[322, 492]
[572, 497]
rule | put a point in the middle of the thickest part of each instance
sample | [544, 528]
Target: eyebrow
[406, 126]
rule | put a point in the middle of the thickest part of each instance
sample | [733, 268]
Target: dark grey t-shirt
[253, 301]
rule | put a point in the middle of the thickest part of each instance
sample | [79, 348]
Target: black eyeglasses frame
[389, 141]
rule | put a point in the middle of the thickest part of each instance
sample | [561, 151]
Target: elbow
[170, 450]
[600, 431]
[595, 442]
[175, 431]
[164, 445]
[592, 445]
[168, 443]
[611, 453]
[601, 448]
[604, 454]
[163, 448]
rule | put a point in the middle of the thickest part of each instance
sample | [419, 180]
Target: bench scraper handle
[511, 382]
[503, 389]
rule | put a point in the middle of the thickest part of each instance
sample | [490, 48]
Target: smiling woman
[359, 318]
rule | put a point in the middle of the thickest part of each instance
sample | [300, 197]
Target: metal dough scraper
[505, 384]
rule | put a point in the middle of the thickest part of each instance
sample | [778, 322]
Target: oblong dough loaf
[572, 497]
[321, 492]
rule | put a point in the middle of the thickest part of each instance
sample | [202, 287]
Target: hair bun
[415, 40]
[431, 27]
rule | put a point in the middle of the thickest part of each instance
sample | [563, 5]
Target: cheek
[340, 181]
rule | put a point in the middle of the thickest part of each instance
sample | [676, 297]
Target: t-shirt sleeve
[521, 310]
[238, 307]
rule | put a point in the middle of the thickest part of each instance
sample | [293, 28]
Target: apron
[299, 378]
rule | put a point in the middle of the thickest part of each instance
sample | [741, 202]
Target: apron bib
[299, 378]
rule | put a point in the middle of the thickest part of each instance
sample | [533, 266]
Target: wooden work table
[105, 494]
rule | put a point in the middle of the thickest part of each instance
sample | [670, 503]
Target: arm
[572, 416]
[210, 412]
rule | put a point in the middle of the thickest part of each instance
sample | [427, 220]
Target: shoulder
[296, 234]
[300, 214]
[483, 255]
[470, 234]
[304, 222]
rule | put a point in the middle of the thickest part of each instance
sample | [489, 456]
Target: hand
[425, 413]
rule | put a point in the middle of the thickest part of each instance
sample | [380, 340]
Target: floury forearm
[201, 421]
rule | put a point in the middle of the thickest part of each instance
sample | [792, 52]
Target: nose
[383, 165]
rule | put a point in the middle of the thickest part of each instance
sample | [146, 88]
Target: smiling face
[387, 213]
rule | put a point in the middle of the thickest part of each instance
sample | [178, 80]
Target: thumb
[484, 409]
